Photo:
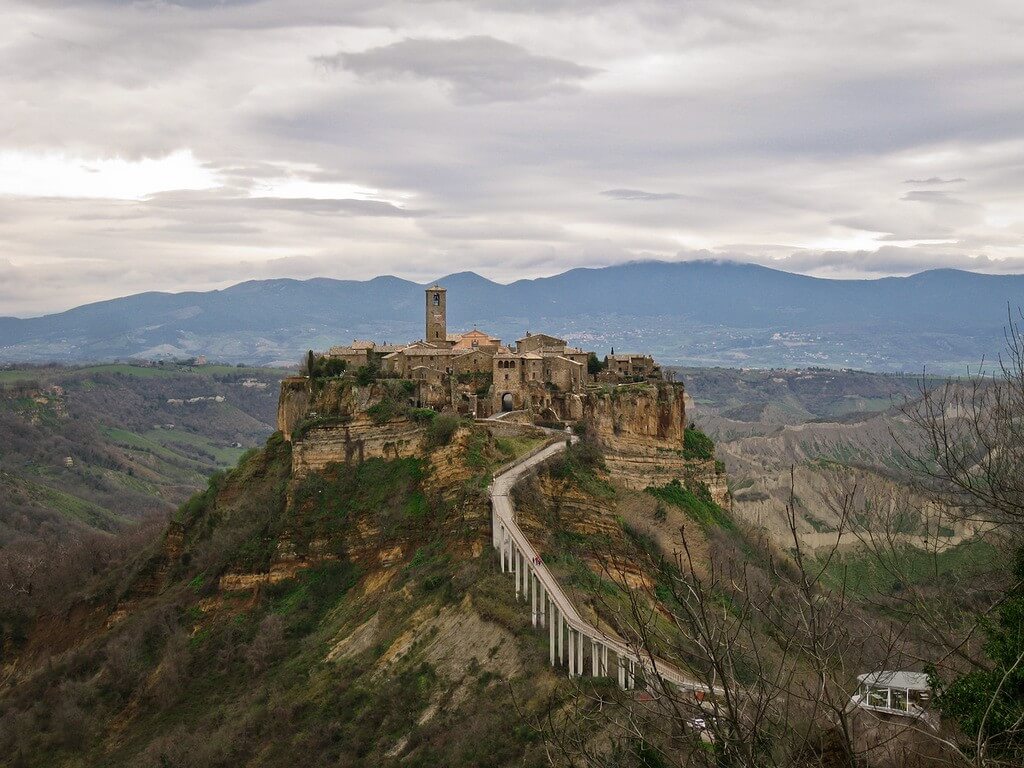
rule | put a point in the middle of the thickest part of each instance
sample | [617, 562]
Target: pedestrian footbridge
[573, 642]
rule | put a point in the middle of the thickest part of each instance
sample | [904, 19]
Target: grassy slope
[383, 563]
[868, 576]
[377, 631]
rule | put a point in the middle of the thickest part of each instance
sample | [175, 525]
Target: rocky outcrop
[293, 404]
[357, 440]
[638, 418]
[641, 428]
[339, 421]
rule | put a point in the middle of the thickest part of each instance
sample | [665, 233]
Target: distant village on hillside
[474, 373]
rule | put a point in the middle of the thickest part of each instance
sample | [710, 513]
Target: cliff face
[641, 429]
[357, 440]
[638, 418]
[293, 404]
[340, 421]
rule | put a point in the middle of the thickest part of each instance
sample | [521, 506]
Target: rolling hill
[697, 313]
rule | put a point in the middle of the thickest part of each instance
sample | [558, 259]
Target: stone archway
[507, 403]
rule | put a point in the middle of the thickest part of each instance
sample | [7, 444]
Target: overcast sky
[191, 145]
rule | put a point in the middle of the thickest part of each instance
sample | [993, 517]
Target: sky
[190, 145]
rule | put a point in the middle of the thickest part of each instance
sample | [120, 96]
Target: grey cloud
[935, 180]
[556, 168]
[639, 194]
[932, 196]
[477, 69]
[313, 205]
[887, 260]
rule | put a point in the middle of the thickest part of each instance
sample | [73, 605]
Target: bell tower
[437, 316]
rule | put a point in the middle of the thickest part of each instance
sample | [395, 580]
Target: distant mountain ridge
[698, 312]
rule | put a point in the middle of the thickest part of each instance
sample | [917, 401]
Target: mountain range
[695, 313]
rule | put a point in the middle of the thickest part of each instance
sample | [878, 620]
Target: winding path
[568, 632]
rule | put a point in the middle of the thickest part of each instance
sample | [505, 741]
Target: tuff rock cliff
[642, 430]
[341, 421]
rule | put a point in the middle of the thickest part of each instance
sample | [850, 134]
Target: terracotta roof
[464, 352]
[541, 336]
[421, 344]
[425, 352]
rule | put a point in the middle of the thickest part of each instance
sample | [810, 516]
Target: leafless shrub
[268, 643]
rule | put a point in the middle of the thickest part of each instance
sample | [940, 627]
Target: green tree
[988, 704]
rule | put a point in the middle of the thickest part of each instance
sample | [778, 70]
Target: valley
[100, 446]
[339, 591]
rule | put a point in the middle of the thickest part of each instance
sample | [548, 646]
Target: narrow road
[529, 570]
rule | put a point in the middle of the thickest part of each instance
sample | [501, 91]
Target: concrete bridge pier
[551, 632]
[561, 637]
[572, 653]
[533, 600]
[527, 578]
[523, 573]
[625, 673]
[516, 568]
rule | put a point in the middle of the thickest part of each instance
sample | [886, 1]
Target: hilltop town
[473, 373]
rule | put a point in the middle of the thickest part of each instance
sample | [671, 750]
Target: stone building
[541, 372]
[540, 367]
[473, 360]
[630, 366]
[399, 363]
[361, 352]
[475, 339]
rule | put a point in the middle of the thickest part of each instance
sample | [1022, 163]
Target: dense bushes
[697, 445]
[442, 429]
[366, 374]
[579, 463]
[696, 503]
[324, 501]
[324, 367]
[384, 411]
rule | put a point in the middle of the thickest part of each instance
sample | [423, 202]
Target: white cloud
[159, 145]
[27, 174]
